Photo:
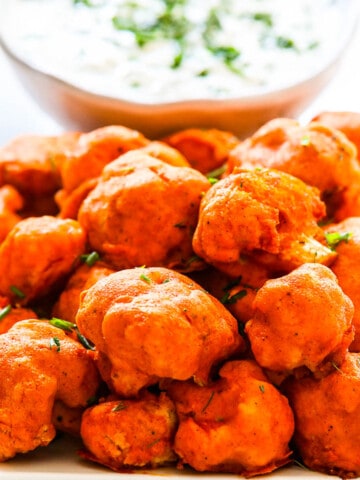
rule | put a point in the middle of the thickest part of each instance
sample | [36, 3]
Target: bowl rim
[350, 13]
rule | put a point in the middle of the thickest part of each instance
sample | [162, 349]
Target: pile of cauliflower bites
[190, 302]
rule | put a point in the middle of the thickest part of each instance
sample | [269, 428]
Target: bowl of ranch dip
[163, 65]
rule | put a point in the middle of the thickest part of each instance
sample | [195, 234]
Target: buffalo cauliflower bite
[327, 413]
[9, 314]
[263, 214]
[124, 434]
[153, 323]
[36, 254]
[143, 212]
[319, 155]
[39, 364]
[10, 203]
[96, 149]
[205, 149]
[32, 163]
[85, 276]
[302, 319]
[239, 424]
[346, 122]
[345, 238]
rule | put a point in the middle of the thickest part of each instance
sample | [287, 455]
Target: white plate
[59, 461]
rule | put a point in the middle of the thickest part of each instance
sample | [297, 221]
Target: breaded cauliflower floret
[265, 214]
[83, 277]
[205, 149]
[345, 238]
[153, 323]
[143, 212]
[36, 254]
[94, 150]
[327, 413]
[39, 364]
[239, 424]
[302, 319]
[132, 433]
[320, 156]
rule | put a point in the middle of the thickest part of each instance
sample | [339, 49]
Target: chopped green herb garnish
[120, 406]
[62, 324]
[305, 141]
[217, 172]
[337, 368]
[265, 18]
[262, 388]
[92, 401]
[180, 225]
[145, 278]
[88, 3]
[16, 291]
[284, 42]
[55, 342]
[229, 299]
[90, 258]
[84, 341]
[334, 238]
[213, 180]
[70, 327]
[5, 311]
[208, 402]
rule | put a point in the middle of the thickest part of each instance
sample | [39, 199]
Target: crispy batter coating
[143, 212]
[154, 323]
[302, 319]
[36, 254]
[10, 202]
[39, 364]
[31, 163]
[124, 434]
[166, 153]
[327, 413]
[240, 424]
[265, 214]
[346, 239]
[83, 277]
[9, 314]
[346, 122]
[319, 155]
[205, 149]
[96, 149]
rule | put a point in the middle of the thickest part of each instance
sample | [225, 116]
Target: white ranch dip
[152, 51]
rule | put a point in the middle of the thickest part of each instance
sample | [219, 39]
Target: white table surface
[19, 114]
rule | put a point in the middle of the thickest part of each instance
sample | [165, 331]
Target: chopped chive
[55, 342]
[334, 238]
[84, 341]
[228, 299]
[305, 141]
[262, 388]
[145, 278]
[5, 311]
[120, 406]
[217, 172]
[90, 258]
[62, 324]
[208, 402]
[16, 291]
[180, 225]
